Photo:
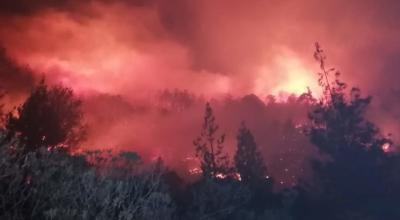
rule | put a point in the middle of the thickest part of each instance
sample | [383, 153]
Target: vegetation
[50, 117]
[209, 148]
[352, 181]
[248, 161]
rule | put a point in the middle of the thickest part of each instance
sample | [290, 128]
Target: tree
[351, 179]
[248, 160]
[209, 148]
[253, 172]
[50, 117]
[338, 121]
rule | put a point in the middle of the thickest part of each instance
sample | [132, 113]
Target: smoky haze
[121, 55]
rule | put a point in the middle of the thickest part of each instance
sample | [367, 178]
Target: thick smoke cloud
[26, 7]
[29, 8]
[250, 42]
[15, 80]
[119, 55]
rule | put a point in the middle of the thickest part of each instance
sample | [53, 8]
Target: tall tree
[209, 148]
[248, 160]
[338, 120]
[354, 169]
[50, 117]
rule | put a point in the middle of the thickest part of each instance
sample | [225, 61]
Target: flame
[291, 77]
[386, 147]
[298, 77]
[195, 171]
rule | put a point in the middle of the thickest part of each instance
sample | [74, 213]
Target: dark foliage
[50, 117]
[248, 160]
[209, 148]
[175, 100]
[61, 186]
[350, 182]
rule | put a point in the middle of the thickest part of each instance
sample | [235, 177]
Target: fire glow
[118, 54]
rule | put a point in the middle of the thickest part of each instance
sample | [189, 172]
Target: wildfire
[220, 176]
[236, 176]
[386, 147]
[195, 171]
[295, 77]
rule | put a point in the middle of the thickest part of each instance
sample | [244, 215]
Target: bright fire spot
[298, 77]
[386, 147]
[292, 77]
[195, 171]
[237, 176]
[220, 176]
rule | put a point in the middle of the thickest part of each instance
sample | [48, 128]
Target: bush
[216, 198]
[54, 185]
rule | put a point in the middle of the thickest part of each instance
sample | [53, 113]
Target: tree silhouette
[339, 121]
[209, 148]
[50, 117]
[175, 100]
[353, 170]
[248, 160]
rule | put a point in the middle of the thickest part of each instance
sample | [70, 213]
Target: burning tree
[50, 117]
[209, 148]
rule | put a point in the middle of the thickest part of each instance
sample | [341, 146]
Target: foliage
[209, 148]
[50, 117]
[216, 199]
[175, 100]
[351, 178]
[248, 160]
[54, 185]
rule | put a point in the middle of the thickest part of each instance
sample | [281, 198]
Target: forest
[44, 174]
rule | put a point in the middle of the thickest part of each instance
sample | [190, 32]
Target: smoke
[15, 81]
[167, 125]
[119, 55]
[237, 46]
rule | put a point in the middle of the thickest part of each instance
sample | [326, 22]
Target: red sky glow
[121, 55]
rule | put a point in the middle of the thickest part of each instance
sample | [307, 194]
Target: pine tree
[248, 160]
[209, 148]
